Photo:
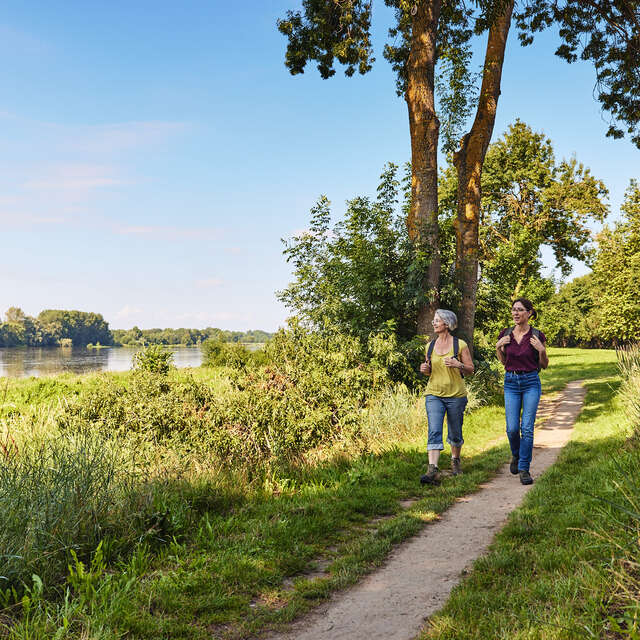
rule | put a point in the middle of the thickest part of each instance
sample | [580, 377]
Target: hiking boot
[432, 476]
[455, 467]
[525, 477]
[513, 467]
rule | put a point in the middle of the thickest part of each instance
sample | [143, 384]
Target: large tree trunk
[469, 160]
[424, 128]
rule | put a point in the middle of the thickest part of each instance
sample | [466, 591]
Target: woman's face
[438, 325]
[519, 313]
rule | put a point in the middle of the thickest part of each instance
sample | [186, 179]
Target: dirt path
[394, 602]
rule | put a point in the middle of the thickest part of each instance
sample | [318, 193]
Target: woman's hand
[503, 341]
[537, 344]
[425, 368]
[453, 363]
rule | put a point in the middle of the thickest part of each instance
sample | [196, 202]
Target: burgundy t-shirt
[521, 357]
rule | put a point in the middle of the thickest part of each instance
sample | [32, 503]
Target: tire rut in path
[394, 602]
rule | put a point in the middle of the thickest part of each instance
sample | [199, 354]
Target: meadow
[142, 520]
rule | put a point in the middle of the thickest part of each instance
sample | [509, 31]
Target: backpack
[456, 351]
[536, 333]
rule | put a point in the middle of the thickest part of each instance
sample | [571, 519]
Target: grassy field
[255, 556]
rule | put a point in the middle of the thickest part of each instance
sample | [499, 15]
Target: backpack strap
[536, 332]
[432, 344]
[456, 352]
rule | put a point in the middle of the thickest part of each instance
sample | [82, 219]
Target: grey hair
[448, 317]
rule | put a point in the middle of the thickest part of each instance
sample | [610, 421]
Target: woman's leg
[512, 409]
[435, 418]
[455, 417]
[531, 391]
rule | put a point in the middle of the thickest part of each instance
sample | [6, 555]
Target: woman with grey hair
[447, 360]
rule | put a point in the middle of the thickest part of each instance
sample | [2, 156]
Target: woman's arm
[467, 363]
[541, 348]
[500, 345]
[425, 368]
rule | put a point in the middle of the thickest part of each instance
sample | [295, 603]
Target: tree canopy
[356, 274]
[606, 33]
[427, 32]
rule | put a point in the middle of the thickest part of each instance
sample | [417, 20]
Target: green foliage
[604, 32]
[616, 272]
[338, 30]
[529, 200]
[53, 327]
[188, 337]
[311, 393]
[154, 359]
[566, 317]
[65, 495]
[354, 276]
[217, 353]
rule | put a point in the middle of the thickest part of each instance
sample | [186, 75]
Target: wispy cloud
[127, 312]
[67, 174]
[121, 136]
[210, 282]
[167, 231]
[81, 177]
[209, 319]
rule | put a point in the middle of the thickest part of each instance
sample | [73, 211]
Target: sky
[154, 154]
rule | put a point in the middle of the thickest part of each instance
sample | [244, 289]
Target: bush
[153, 358]
[217, 353]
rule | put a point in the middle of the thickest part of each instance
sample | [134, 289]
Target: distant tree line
[53, 327]
[188, 337]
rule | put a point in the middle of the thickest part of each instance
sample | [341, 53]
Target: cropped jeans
[521, 397]
[437, 407]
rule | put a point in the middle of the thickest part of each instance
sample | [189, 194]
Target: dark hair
[527, 304]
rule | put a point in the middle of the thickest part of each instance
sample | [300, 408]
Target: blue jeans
[436, 409]
[521, 396]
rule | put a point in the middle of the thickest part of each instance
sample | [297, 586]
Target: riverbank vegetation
[186, 337]
[53, 327]
[78, 328]
[221, 501]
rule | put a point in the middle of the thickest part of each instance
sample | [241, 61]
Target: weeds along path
[394, 602]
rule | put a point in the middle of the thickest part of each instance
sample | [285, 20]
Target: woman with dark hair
[522, 351]
[447, 361]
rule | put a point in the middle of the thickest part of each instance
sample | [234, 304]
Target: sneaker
[455, 467]
[525, 477]
[513, 467]
[432, 476]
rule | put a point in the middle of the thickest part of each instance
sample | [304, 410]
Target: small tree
[154, 359]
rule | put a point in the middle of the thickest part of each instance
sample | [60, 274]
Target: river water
[20, 362]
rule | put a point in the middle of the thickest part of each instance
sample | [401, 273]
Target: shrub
[153, 358]
[217, 353]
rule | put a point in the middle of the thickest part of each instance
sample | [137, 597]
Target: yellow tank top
[444, 381]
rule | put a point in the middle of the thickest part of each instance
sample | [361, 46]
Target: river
[20, 362]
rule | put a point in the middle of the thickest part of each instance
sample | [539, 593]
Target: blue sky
[154, 154]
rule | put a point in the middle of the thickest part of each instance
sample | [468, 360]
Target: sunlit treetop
[605, 32]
